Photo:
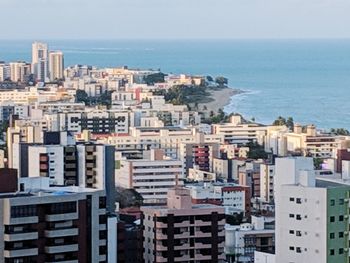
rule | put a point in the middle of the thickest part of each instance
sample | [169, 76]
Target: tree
[256, 151]
[290, 123]
[210, 78]
[106, 98]
[81, 96]
[340, 131]
[154, 78]
[318, 163]
[279, 121]
[221, 81]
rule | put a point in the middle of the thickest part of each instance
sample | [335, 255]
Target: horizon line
[175, 39]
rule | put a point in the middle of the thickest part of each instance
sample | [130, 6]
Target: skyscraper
[56, 65]
[40, 61]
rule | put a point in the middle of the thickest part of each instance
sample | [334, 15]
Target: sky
[174, 19]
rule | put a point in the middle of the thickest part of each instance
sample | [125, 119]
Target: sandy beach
[221, 98]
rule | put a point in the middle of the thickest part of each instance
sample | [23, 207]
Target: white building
[311, 215]
[267, 173]
[243, 240]
[40, 61]
[151, 177]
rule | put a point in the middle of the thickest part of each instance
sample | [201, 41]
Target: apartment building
[96, 121]
[167, 138]
[151, 176]
[312, 214]
[243, 240]
[45, 224]
[183, 232]
[96, 170]
[249, 175]
[239, 133]
[199, 155]
[267, 174]
[235, 198]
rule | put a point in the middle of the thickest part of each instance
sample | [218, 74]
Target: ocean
[308, 80]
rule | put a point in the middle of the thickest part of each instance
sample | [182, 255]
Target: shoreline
[219, 99]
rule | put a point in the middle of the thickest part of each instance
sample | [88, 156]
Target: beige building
[56, 65]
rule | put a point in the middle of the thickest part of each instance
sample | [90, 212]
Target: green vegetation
[318, 163]
[104, 99]
[210, 78]
[128, 197]
[221, 81]
[280, 121]
[185, 95]
[256, 151]
[81, 96]
[154, 78]
[340, 131]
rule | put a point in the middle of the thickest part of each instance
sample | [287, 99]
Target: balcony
[202, 223]
[102, 258]
[182, 224]
[61, 249]
[23, 220]
[61, 232]
[161, 259]
[160, 235]
[21, 236]
[202, 257]
[202, 234]
[182, 247]
[90, 165]
[161, 225]
[160, 247]
[62, 217]
[182, 258]
[25, 252]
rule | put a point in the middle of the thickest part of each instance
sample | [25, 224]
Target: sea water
[308, 80]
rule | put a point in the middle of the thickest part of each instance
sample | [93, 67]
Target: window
[341, 234]
[291, 231]
[341, 201]
[291, 248]
[341, 218]
[331, 252]
[298, 250]
[341, 251]
[291, 199]
[298, 233]
[298, 200]
[332, 219]
[332, 202]
[298, 217]
[331, 235]
[291, 215]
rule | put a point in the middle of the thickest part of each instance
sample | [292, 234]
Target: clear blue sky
[70, 19]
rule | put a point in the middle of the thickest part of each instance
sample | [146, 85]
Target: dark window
[23, 211]
[332, 219]
[341, 218]
[331, 235]
[331, 252]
